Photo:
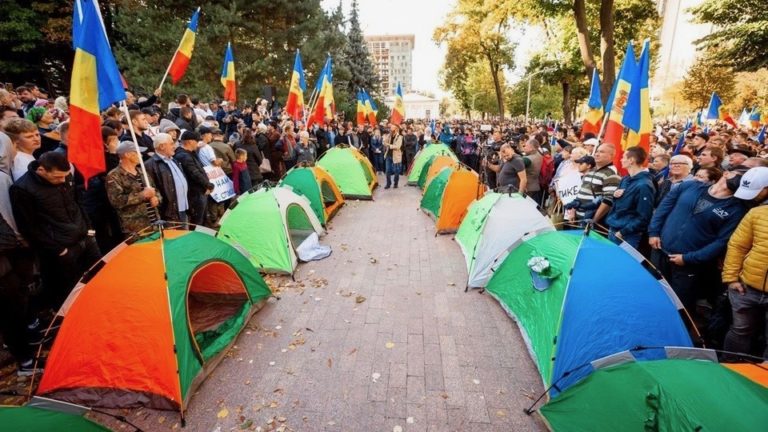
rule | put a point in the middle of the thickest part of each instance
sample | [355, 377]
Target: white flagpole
[124, 108]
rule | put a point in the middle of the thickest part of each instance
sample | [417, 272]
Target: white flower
[538, 264]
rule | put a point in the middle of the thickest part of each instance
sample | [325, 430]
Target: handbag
[557, 214]
[265, 167]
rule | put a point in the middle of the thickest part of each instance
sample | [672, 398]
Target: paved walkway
[378, 337]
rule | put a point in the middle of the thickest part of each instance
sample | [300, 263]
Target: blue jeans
[749, 311]
[392, 168]
[378, 162]
[631, 239]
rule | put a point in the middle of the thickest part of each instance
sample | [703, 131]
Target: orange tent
[756, 372]
[148, 322]
[448, 196]
[437, 165]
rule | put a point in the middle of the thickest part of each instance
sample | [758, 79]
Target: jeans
[60, 273]
[378, 162]
[198, 203]
[631, 239]
[683, 279]
[392, 168]
[749, 311]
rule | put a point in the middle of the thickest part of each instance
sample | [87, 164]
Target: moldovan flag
[183, 54]
[95, 85]
[370, 108]
[228, 75]
[594, 118]
[637, 116]
[755, 118]
[628, 74]
[360, 108]
[295, 104]
[398, 109]
[717, 111]
[324, 106]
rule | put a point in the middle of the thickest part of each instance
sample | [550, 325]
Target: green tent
[318, 187]
[433, 195]
[661, 395]
[351, 170]
[423, 157]
[269, 224]
[30, 419]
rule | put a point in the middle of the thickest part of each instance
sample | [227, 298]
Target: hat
[202, 130]
[746, 151]
[127, 147]
[587, 160]
[167, 125]
[754, 181]
[225, 103]
[190, 135]
[216, 131]
[592, 142]
[702, 135]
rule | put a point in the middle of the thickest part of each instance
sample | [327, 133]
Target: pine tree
[356, 60]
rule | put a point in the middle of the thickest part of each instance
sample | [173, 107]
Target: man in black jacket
[199, 185]
[166, 175]
[52, 221]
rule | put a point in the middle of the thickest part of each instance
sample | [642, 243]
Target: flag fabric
[744, 118]
[295, 104]
[325, 107]
[183, 54]
[371, 110]
[628, 76]
[698, 123]
[717, 111]
[398, 109]
[77, 19]
[361, 114]
[594, 118]
[228, 75]
[680, 143]
[761, 136]
[637, 116]
[95, 85]
[755, 118]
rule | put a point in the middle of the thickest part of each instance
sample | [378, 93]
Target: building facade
[417, 106]
[392, 58]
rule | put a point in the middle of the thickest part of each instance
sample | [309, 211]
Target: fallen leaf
[409, 420]
[501, 413]
[246, 424]
[309, 329]
[397, 429]
[277, 390]
[161, 420]
[278, 327]
[271, 363]
[451, 284]
[354, 350]
[375, 376]
[282, 419]
[359, 299]
[389, 345]
[330, 363]
[223, 413]
[373, 260]
[444, 395]
[273, 404]
[476, 381]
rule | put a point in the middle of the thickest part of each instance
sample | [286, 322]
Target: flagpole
[602, 130]
[124, 108]
[311, 104]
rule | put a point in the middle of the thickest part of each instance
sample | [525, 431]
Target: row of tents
[605, 330]
[147, 324]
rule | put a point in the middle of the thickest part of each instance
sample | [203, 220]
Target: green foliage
[545, 98]
[705, 76]
[355, 59]
[741, 32]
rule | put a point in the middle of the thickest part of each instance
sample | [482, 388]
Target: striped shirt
[597, 186]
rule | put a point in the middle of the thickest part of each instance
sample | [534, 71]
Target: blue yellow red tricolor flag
[755, 118]
[628, 76]
[637, 117]
[361, 114]
[398, 109]
[594, 118]
[295, 104]
[325, 106]
[371, 110]
[183, 53]
[228, 75]
[96, 84]
[717, 111]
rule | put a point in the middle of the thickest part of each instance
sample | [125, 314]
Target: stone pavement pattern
[378, 337]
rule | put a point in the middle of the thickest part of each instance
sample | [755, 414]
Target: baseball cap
[127, 147]
[586, 159]
[746, 151]
[592, 142]
[202, 130]
[190, 135]
[216, 131]
[754, 181]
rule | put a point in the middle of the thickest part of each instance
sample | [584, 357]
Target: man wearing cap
[205, 152]
[690, 230]
[133, 201]
[590, 144]
[199, 184]
[745, 269]
[166, 175]
[737, 154]
[595, 195]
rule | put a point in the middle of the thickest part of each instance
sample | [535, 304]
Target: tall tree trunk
[567, 111]
[607, 51]
[497, 86]
[582, 33]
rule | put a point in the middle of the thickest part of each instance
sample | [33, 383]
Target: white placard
[567, 185]
[223, 188]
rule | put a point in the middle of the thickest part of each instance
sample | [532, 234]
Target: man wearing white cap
[746, 265]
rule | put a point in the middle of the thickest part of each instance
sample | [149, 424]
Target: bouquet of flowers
[542, 273]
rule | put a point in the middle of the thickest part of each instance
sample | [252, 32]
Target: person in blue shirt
[632, 206]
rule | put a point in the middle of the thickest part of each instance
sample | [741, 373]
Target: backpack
[547, 171]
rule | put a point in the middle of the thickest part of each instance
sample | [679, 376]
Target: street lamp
[528, 101]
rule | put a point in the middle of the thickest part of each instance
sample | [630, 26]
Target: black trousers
[60, 273]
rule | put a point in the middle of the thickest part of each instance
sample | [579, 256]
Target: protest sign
[223, 188]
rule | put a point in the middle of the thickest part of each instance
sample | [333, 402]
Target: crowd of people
[697, 214]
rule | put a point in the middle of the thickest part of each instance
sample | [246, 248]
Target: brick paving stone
[443, 338]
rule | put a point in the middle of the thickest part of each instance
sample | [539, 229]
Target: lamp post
[528, 100]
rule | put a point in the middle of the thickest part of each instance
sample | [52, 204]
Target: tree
[707, 76]
[476, 30]
[356, 59]
[741, 32]
[751, 90]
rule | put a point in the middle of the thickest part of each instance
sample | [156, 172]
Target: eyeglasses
[678, 163]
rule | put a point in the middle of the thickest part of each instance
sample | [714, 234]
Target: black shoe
[27, 368]
[395, 186]
[386, 187]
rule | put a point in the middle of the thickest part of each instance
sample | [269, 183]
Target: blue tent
[600, 300]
